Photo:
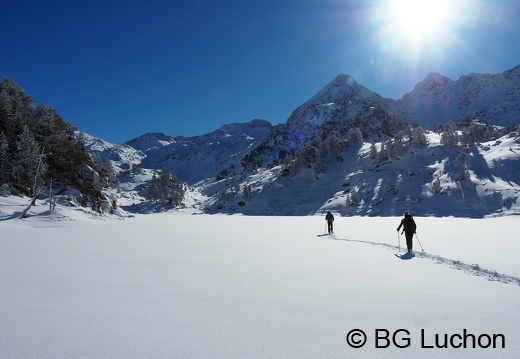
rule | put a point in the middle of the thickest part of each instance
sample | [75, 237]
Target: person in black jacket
[329, 218]
[409, 228]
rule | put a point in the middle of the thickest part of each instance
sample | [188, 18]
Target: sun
[410, 36]
[419, 18]
[416, 28]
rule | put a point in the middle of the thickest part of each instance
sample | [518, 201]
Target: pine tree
[58, 139]
[336, 143]
[469, 135]
[462, 163]
[355, 135]
[166, 188]
[5, 159]
[382, 155]
[153, 192]
[449, 137]
[352, 199]
[101, 169]
[28, 165]
[373, 151]
[111, 174]
[247, 192]
[222, 198]
[15, 106]
[418, 136]
[436, 186]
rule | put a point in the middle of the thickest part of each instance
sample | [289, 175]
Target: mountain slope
[492, 99]
[349, 150]
[215, 154]
[407, 182]
[123, 157]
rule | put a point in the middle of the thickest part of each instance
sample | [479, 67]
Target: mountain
[349, 150]
[215, 154]
[492, 99]
[123, 157]
[344, 87]
[150, 141]
[343, 101]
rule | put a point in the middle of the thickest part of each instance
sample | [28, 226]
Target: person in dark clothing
[409, 228]
[329, 218]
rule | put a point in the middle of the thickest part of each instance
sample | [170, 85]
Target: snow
[175, 285]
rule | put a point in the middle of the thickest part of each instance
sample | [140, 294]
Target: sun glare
[417, 18]
[412, 27]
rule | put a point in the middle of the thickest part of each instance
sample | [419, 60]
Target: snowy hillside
[321, 158]
[406, 183]
[199, 286]
[150, 141]
[123, 157]
[489, 98]
[196, 158]
[342, 88]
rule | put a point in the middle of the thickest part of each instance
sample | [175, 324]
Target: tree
[291, 165]
[469, 135]
[36, 188]
[352, 199]
[29, 166]
[449, 137]
[111, 174]
[436, 186]
[99, 167]
[15, 106]
[392, 148]
[462, 163]
[336, 143]
[58, 139]
[223, 195]
[355, 135]
[418, 136]
[28, 131]
[153, 191]
[373, 151]
[382, 155]
[165, 188]
[5, 159]
[247, 192]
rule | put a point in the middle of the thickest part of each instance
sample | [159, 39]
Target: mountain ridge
[323, 156]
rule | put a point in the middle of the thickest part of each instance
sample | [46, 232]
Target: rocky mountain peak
[150, 141]
[343, 87]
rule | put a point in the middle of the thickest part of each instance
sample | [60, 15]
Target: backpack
[409, 224]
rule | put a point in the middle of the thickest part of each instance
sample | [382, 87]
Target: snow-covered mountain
[488, 98]
[196, 158]
[151, 141]
[123, 157]
[322, 159]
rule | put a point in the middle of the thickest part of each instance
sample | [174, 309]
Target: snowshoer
[409, 228]
[329, 218]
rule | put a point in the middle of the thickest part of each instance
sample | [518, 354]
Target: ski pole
[419, 242]
[399, 240]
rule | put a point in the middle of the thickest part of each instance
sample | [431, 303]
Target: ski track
[473, 269]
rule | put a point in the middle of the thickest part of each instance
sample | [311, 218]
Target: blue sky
[117, 70]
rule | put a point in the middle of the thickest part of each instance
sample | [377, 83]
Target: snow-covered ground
[175, 285]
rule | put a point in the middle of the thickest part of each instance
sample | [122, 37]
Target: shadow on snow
[473, 269]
